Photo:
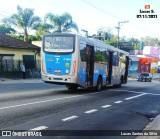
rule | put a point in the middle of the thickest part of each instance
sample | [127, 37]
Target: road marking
[130, 91]
[117, 102]
[129, 98]
[39, 128]
[91, 111]
[137, 92]
[33, 103]
[106, 106]
[45, 101]
[69, 118]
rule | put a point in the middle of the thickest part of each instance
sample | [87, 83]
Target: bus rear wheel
[99, 84]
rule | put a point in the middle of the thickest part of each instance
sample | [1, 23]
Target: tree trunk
[26, 35]
[59, 29]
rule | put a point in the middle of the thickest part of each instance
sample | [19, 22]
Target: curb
[154, 125]
[8, 81]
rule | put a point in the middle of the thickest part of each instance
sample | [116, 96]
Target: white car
[144, 76]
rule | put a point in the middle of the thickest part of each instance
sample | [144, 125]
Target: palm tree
[6, 30]
[61, 23]
[23, 20]
[43, 28]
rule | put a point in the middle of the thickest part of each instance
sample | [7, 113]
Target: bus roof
[92, 41]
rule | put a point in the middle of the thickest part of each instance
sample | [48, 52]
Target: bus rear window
[58, 44]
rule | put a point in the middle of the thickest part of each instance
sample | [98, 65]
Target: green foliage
[43, 28]
[61, 23]
[112, 41]
[23, 20]
[30, 38]
[99, 57]
[150, 41]
[6, 30]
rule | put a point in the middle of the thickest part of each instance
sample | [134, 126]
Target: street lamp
[118, 28]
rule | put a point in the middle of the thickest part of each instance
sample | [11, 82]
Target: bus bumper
[62, 80]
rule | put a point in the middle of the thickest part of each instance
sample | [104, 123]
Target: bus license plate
[57, 70]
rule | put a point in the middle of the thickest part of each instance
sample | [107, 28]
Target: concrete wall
[37, 43]
[18, 53]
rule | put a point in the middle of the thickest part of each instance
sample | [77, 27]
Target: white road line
[49, 100]
[106, 106]
[91, 111]
[39, 128]
[117, 102]
[130, 91]
[136, 92]
[135, 96]
[33, 103]
[45, 101]
[69, 118]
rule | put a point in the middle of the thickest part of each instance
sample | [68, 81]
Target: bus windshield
[58, 44]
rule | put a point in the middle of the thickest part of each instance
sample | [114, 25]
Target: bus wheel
[99, 84]
[121, 82]
[73, 87]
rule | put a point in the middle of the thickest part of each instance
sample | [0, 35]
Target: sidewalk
[154, 126]
[28, 80]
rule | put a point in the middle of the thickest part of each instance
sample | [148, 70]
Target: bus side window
[83, 52]
[107, 57]
[100, 55]
[115, 59]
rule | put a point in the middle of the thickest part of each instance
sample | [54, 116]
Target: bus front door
[89, 65]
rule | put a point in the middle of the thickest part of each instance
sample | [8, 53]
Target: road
[43, 106]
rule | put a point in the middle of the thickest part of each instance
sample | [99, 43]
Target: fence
[11, 69]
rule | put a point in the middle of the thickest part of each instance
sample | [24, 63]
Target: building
[150, 61]
[37, 43]
[145, 61]
[13, 52]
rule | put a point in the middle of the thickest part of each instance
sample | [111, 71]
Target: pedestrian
[23, 69]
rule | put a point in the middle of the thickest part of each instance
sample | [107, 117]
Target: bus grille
[57, 79]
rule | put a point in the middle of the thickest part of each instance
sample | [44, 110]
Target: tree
[30, 37]
[61, 23]
[24, 20]
[150, 41]
[43, 29]
[6, 30]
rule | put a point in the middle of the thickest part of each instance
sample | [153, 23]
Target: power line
[101, 10]
[115, 17]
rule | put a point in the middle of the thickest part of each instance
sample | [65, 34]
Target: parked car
[144, 76]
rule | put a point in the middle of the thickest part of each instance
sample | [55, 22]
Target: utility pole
[118, 28]
[85, 32]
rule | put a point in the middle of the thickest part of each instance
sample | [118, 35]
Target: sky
[92, 15]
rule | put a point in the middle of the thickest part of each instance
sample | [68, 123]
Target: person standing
[23, 69]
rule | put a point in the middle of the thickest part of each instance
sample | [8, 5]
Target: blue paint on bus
[58, 64]
[82, 76]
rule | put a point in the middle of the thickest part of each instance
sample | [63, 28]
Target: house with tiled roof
[13, 52]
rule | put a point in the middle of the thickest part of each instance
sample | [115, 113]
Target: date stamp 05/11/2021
[147, 13]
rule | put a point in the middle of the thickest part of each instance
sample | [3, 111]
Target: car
[144, 76]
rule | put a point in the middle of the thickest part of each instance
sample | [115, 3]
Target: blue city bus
[77, 61]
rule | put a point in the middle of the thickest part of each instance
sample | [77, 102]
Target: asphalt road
[40, 106]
